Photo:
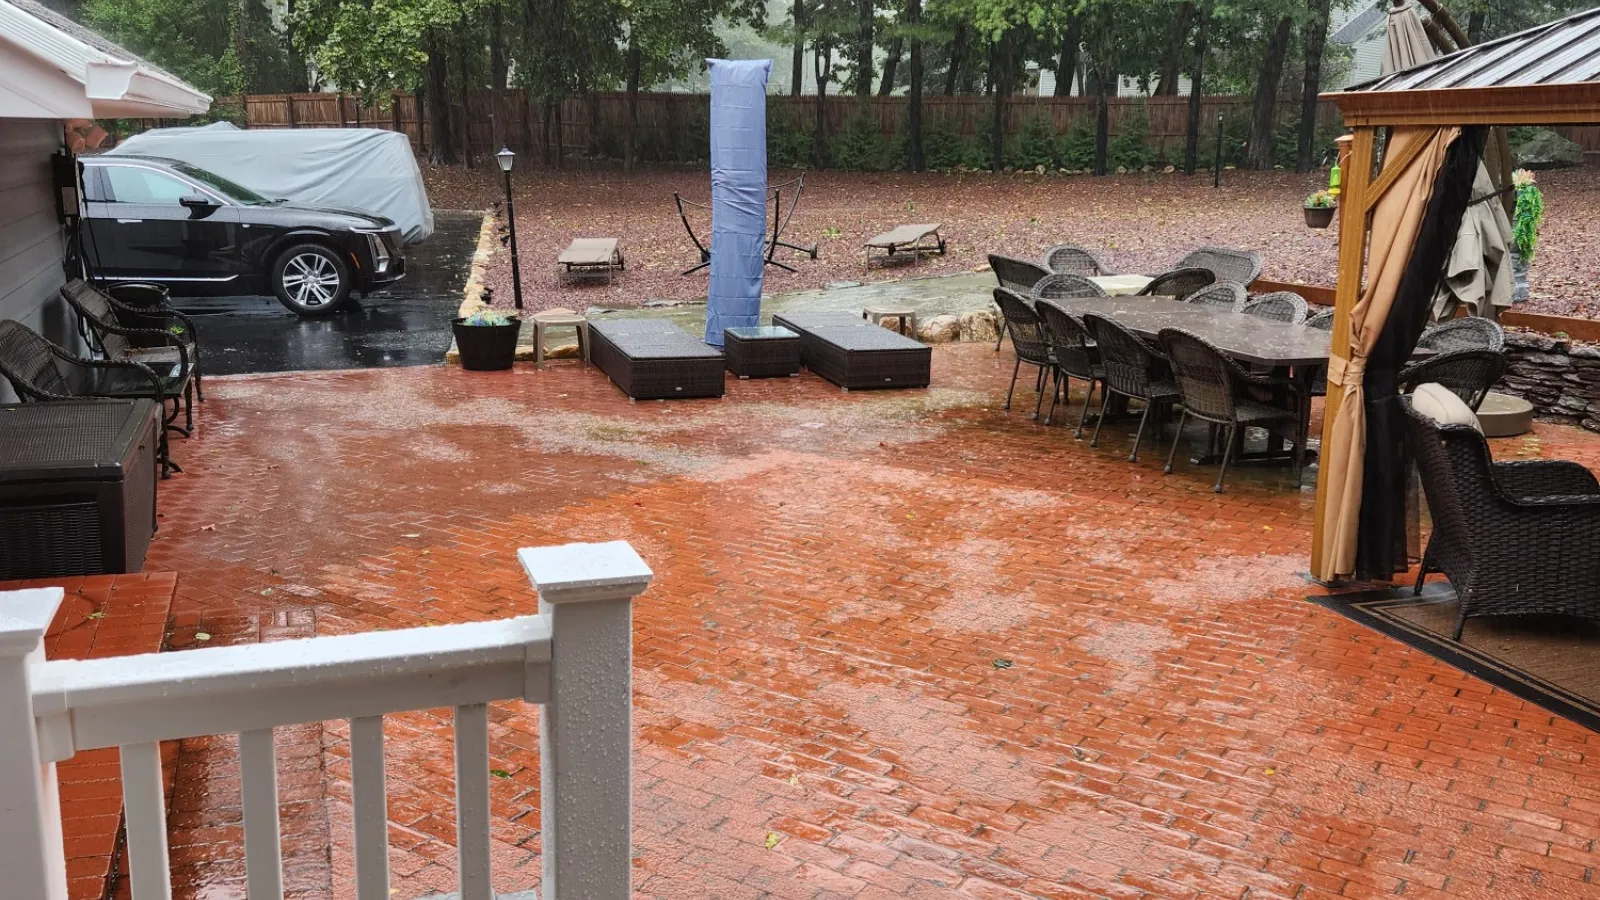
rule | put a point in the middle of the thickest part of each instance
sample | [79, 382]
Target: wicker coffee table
[653, 359]
[856, 355]
[762, 352]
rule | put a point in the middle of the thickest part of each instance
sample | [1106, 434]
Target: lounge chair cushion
[1440, 404]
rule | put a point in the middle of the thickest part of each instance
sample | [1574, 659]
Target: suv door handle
[129, 221]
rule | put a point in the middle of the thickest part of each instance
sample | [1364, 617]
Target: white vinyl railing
[574, 658]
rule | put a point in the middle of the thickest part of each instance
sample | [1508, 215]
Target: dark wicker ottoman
[653, 359]
[763, 352]
[858, 355]
[77, 487]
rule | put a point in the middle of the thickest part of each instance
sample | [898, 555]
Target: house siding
[32, 245]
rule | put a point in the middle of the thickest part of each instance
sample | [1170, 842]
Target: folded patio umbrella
[738, 194]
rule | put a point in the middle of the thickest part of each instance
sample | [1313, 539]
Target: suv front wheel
[311, 280]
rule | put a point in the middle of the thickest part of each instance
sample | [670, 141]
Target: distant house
[54, 71]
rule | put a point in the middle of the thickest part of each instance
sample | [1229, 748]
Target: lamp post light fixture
[505, 158]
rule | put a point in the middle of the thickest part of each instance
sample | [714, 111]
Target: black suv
[153, 219]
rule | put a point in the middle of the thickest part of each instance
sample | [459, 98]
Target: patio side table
[762, 352]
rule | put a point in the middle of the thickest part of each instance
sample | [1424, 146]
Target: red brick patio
[899, 645]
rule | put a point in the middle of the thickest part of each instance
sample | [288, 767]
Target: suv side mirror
[197, 201]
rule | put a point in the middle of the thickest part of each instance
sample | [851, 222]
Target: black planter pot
[1320, 217]
[486, 348]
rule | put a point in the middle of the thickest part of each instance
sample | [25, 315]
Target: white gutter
[114, 87]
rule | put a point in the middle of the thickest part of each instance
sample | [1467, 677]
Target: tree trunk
[442, 152]
[1316, 39]
[497, 77]
[528, 115]
[1105, 83]
[822, 59]
[630, 128]
[1001, 77]
[1191, 144]
[958, 53]
[914, 111]
[1265, 101]
[241, 43]
[797, 66]
[561, 136]
[1172, 61]
[420, 98]
[1067, 60]
[864, 50]
[1475, 22]
[464, 51]
[891, 66]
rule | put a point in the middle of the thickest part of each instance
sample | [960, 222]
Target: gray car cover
[363, 169]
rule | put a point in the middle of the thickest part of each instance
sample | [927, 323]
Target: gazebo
[1418, 137]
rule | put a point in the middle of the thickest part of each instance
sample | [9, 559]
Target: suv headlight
[380, 252]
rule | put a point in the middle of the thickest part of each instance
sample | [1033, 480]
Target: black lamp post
[505, 158]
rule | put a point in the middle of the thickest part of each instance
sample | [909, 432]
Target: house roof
[52, 67]
[1548, 75]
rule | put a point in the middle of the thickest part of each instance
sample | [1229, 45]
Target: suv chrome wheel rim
[311, 279]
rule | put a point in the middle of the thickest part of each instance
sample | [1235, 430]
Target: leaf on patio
[1002, 664]
[500, 773]
[794, 779]
[202, 636]
[97, 614]
[412, 535]
[208, 528]
[773, 839]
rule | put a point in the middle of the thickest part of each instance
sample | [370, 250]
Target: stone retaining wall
[1560, 377]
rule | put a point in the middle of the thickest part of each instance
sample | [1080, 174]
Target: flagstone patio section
[900, 645]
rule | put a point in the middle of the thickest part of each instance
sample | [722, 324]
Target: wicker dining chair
[1133, 369]
[1074, 260]
[1076, 356]
[1229, 295]
[1466, 333]
[1279, 306]
[1064, 286]
[1469, 374]
[1322, 321]
[1017, 275]
[159, 348]
[1243, 266]
[1178, 283]
[1027, 338]
[1214, 390]
[38, 370]
[1514, 538]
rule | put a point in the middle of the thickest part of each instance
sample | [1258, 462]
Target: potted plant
[487, 339]
[1320, 208]
[1528, 218]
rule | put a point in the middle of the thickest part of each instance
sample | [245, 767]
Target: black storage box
[77, 487]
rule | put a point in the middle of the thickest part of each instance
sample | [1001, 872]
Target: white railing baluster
[32, 863]
[258, 778]
[586, 725]
[472, 800]
[145, 808]
[371, 808]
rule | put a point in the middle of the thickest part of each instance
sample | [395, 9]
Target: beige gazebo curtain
[1397, 220]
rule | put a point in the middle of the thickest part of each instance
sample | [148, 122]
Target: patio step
[101, 616]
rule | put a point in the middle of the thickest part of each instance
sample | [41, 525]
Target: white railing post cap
[24, 618]
[576, 572]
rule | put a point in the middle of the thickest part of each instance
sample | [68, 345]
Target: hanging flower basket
[1320, 209]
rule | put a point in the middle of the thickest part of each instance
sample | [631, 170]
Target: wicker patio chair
[1467, 333]
[1229, 295]
[1514, 538]
[1178, 284]
[1322, 321]
[1065, 286]
[1243, 266]
[38, 370]
[1214, 390]
[1133, 369]
[1017, 275]
[1469, 374]
[1076, 356]
[1279, 306]
[1071, 259]
[101, 321]
[1027, 338]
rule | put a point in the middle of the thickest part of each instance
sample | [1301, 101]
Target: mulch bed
[1141, 222]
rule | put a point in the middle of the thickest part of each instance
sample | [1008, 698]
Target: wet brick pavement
[899, 645]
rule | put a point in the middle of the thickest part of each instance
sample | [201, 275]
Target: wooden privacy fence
[673, 125]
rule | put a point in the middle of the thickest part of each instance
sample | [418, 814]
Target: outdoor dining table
[1122, 285]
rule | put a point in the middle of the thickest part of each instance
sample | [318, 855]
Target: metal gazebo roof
[1545, 75]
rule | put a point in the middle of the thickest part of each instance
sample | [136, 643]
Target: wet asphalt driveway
[406, 324]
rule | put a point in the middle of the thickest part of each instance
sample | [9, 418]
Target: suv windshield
[222, 185]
